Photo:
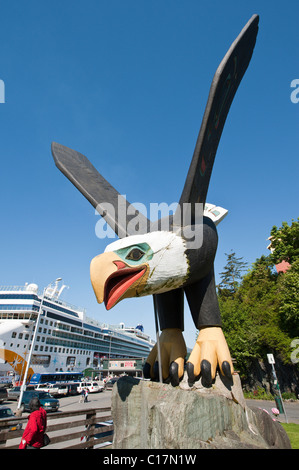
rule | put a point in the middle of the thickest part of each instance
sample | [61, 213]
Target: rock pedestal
[151, 415]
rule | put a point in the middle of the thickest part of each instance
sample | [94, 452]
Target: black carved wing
[223, 88]
[109, 203]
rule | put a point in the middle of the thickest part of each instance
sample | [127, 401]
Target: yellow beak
[113, 280]
[101, 267]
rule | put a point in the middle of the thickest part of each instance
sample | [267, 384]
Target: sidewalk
[291, 409]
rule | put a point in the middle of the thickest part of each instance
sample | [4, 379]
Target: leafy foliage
[260, 311]
[289, 306]
[285, 242]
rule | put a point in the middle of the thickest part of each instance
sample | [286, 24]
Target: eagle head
[139, 265]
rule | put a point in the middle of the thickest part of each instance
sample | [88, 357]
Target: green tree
[285, 242]
[231, 275]
[289, 300]
[251, 317]
[260, 309]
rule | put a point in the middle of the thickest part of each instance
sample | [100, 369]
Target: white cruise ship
[66, 340]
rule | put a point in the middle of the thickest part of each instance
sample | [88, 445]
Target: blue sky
[126, 83]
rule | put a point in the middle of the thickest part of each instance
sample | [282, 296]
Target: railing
[85, 433]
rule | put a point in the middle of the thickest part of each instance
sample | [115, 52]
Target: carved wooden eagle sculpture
[161, 262]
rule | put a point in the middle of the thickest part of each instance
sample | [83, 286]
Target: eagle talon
[206, 373]
[190, 372]
[226, 370]
[174, 374]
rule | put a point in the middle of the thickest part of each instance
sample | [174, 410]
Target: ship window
[20, 335]
[14, 334]
[37, 338]
[35, 348]
[42, 320]
[41, 359]
[26, 336]
[45, 330]
[11, 344]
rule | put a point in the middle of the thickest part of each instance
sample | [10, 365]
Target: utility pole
[23, 387]
[278, 400]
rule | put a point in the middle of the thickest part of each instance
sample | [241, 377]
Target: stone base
[151, 415]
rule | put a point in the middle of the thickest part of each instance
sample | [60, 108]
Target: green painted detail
[144, 250]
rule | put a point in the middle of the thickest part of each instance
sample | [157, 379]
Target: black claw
[174, 374]
[147, 370]
[206, 373]
[226, 369]
[190, 373]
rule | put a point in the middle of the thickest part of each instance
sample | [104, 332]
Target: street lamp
[23, 387]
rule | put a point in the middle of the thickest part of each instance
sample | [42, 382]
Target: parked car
[14, 392]
[72, 389]
[42, 387]
[47, 401]
[91, 386]
[3, 394]
[6, 413]
[60, 390]
[109, 384]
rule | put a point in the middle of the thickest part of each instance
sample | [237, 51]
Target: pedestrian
[86, 396]
[33, 436]
[82, 397]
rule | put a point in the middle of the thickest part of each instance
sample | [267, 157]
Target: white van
[91, 386]
[54, 389]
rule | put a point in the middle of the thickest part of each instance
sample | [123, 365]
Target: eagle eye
[135, 254]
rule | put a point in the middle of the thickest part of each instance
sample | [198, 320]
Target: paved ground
[103, 399]
[291, 409]
[95, 400]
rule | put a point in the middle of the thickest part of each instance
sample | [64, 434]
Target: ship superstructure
[66, 340]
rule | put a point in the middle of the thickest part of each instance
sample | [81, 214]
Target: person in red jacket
[33, 436]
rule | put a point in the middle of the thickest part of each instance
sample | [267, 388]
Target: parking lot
[103, 400]
[71, 403]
